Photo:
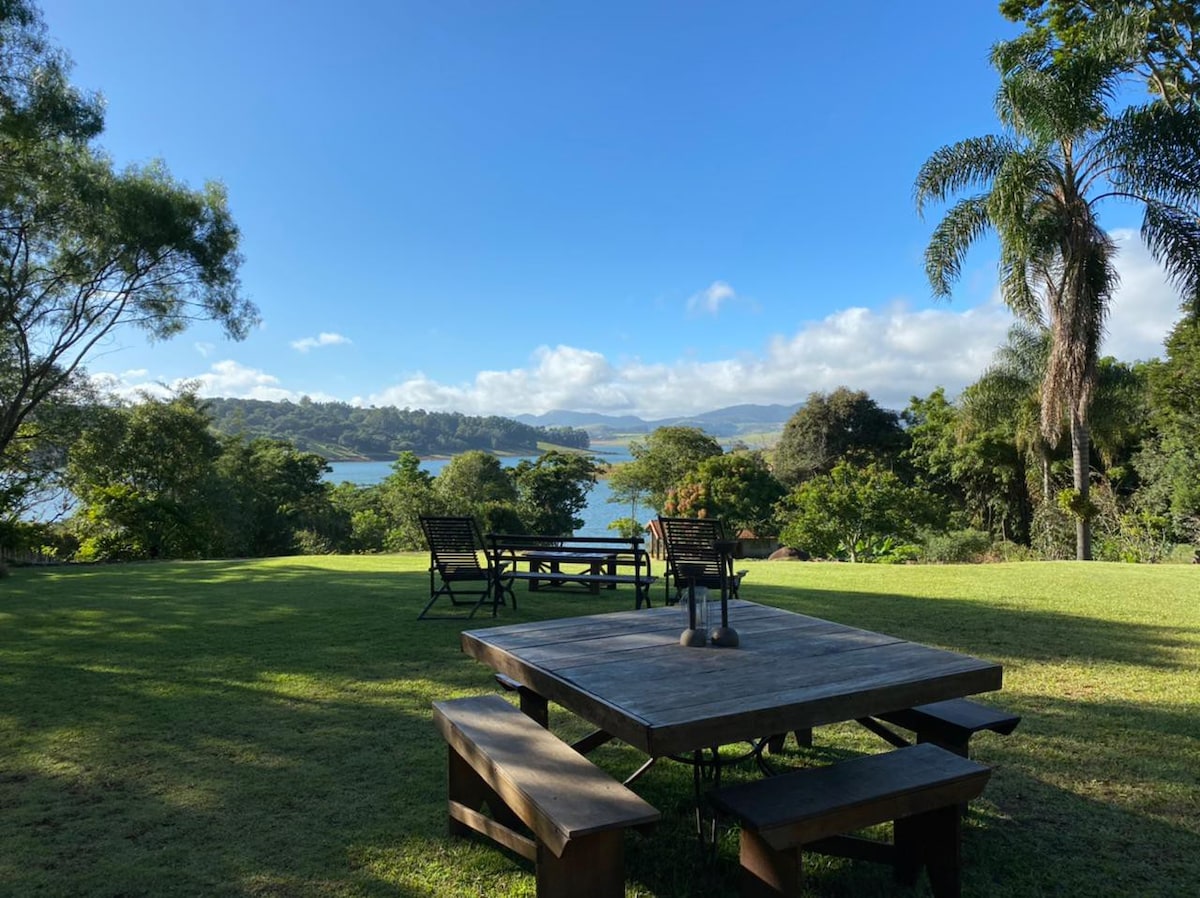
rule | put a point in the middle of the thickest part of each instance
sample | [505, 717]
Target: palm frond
[1173, 237]
[963, 225]
[1025, 350]
[1120, 409]
[1018, 279]
[1053, 99]
[951, 169]
[1155, 154]
[1024, 181]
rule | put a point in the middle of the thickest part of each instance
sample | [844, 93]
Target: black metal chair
[455, 569]
[698, 551]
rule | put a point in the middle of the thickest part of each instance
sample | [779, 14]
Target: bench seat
[921, 788]
[951, 724]
[643, 583]
[533, 782]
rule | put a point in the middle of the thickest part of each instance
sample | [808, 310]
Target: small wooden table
[626, 673]
[550, 562]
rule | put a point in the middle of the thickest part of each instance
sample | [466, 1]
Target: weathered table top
[626, 673]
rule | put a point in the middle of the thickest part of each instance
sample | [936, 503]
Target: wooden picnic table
[626, 673]
[550, 561]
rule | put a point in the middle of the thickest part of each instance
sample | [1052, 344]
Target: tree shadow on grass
[234, 729]
[230, 728]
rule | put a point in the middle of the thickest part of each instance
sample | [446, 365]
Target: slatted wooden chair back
[454, 544]
[692, 554]
[457, 563]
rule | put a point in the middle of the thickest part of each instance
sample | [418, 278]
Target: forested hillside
[336, 430]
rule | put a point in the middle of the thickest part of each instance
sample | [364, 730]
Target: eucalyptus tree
[1041, 184]
[87, 251]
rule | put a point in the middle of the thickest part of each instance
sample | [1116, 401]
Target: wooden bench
[921, 788]
[949, 724]
[533, 783]
[603, 556]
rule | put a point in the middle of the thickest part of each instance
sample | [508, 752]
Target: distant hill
[338, 431]
[731, 421]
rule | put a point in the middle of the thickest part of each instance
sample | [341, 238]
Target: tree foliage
[661, 461]
[1039, 185]
[146, 480]
[1169, 463]
[857, 513]
[738, 488]
[85, 250]
[1157, 38]
[552, 491]
[832, 426]
[339, 430]
[154, 481]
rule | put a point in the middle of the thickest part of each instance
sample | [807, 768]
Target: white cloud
[711, 299]
[226, 378]
[323, 339]
[562, 377]
[893, 352]
[1145, 307]
[205, 349]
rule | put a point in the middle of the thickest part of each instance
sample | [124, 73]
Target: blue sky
[505, 207]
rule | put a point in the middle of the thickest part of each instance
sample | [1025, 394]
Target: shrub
[310, 542]
[1052, 533]
[1182, 553]
[1007, 550]
[956, 546]
[627, 527]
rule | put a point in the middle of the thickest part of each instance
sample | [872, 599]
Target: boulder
[789, 554]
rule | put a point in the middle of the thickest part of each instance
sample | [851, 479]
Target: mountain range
[731, 421]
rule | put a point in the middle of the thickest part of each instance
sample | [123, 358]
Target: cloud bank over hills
[893, 352]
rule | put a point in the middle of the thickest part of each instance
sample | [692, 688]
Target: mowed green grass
[263, 728]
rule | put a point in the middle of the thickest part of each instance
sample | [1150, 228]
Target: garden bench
[534, 783]
[949, 724]
[603, 556]
[922, 788]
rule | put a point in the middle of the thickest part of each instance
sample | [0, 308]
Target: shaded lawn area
[263, 728]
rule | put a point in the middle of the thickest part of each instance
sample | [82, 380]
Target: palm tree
[1009, 395]
[1042, 181]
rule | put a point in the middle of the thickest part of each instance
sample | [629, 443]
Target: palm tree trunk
[1081, 439]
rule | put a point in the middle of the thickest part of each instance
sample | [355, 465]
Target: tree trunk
[1081, 442]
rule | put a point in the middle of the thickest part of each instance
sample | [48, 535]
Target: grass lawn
[262, 728]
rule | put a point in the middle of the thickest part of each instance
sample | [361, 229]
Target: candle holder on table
[696, 633]
[724, 636]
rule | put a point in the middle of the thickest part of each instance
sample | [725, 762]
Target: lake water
[597, 515]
